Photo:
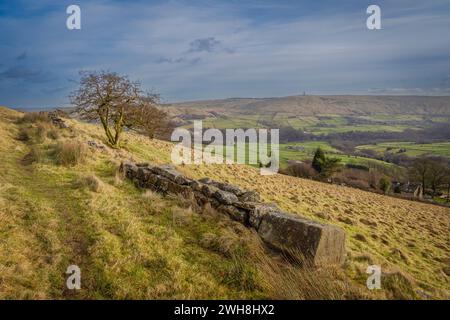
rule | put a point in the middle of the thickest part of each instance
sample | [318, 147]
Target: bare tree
[430, 172]
[438, 175]
[116, 102]
[147, 119]
[419, 171]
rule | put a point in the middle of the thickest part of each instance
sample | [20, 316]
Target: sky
[211, 49]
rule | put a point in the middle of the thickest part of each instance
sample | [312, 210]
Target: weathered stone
[142, 164]
[250, 196]
[247, 205]
[130, 170]
[323, 244]
[209, 190]
[162, 184]
[205, 180]
[171, 173]
[319, 242]
[143, 173]
[152, 181]
[96, 145]
[196, 186]
[223, 186]
[233, 189]
[235, 213]
[183, 190]
[201, 198]
[258, 211]
[225, 197]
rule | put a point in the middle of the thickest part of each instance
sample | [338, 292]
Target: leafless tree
[117, 102]
[430, 172]
[419, 170]
[147, 119]
[438, 175]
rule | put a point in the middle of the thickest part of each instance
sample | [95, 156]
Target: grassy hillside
[338, 105]
[132, 243]
[411, 149]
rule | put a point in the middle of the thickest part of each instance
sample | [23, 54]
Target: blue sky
[205, 49]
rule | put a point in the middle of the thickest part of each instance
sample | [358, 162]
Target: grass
[411, 149]
[70, 153]
[128, 243]
[321, 124]
[397, 234]
[301, 151]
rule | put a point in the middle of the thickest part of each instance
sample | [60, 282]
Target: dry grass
[34, 156]
[24, 134]
[293, 279]
[33, 117]
[53, 134]
[90, 181]
[397, 234]
[70, 153]
[128, 246]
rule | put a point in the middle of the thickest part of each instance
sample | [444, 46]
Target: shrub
[318, 160]
[385, 184]
[70, 153]
[301, 170]
[357, 166]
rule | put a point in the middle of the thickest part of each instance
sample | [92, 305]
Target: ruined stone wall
[322, 243]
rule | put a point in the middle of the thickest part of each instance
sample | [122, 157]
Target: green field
[286, 153]
[322, 124]
[411, 149]
[301, 151]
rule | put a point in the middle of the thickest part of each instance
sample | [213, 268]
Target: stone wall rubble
[321, 243]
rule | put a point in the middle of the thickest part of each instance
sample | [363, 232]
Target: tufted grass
[135, 244]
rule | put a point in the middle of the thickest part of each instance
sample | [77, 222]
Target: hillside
[314, 105]
[138, 245]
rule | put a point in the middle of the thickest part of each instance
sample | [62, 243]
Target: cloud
[178, 60]
[206, 44]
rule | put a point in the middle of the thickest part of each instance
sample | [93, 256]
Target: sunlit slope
[125, 240]
[402, 235]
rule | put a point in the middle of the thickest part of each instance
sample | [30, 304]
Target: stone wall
[323, 244]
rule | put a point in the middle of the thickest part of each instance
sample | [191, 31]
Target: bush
[318, 160]
[357, 166]
[70, 153]
[385, 184]
[301, 170]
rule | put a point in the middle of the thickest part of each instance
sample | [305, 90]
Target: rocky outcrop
[57, 120]
[320, 243]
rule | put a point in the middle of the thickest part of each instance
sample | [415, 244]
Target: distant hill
[313, 105]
